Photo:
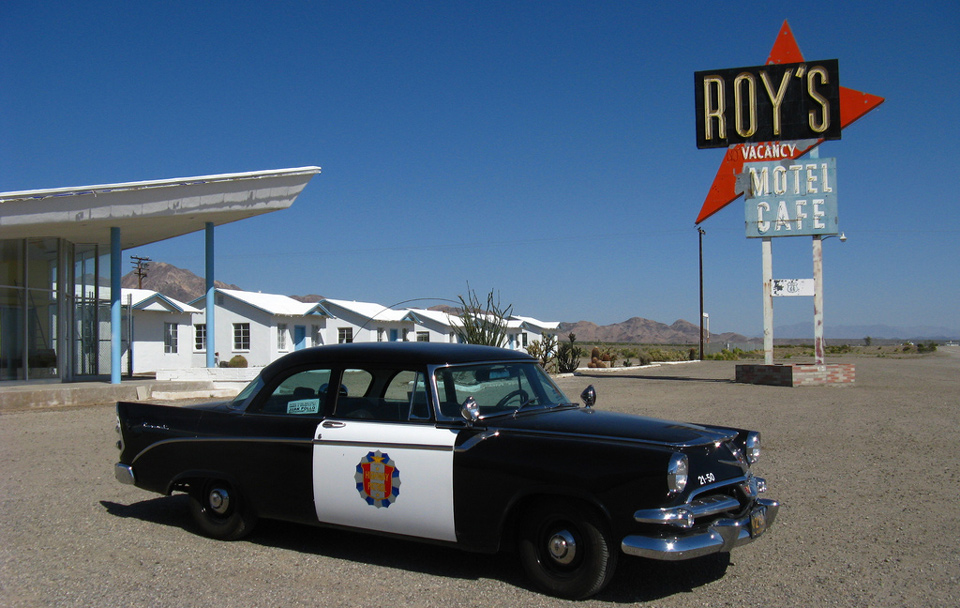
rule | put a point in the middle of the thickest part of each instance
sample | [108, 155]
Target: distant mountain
[640, 330]
[177, 283]
[857, 332]
[309, 298]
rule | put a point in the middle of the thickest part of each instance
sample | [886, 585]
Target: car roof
[412, 354]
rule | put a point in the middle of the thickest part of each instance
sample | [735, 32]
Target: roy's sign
[774, 102]
[791, 198]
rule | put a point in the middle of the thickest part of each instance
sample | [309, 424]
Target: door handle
[333, 424]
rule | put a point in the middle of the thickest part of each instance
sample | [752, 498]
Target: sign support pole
[818, 347]
[768, 300]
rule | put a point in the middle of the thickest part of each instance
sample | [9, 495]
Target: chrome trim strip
[475, 441]
[287, 440]
[607, 438]
[408, 446]
[722, 536]
[683, 516]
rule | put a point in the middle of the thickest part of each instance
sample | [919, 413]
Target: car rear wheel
[565, 549]
[220, 511]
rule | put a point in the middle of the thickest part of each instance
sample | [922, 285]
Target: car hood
[589, 422]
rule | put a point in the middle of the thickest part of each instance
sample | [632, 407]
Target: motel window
[281, 336]
[170, 338]
[423, 336]
[345, 335]
[200, 336]
[381, 334]
[315, 332]
[241, 336]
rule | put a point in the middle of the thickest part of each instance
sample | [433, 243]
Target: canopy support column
[211, 298]
[115, 306]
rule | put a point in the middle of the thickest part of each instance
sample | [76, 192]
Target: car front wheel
[219, 510]
[565, 549]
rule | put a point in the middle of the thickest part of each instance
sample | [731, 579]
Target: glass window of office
[30, 308]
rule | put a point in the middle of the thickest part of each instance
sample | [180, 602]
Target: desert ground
[868, 476]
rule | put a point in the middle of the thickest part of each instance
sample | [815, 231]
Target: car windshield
[250, 390]
[498, 388]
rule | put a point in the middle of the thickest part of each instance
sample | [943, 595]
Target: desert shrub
[666, 354]
[237, 361]
[726, 355]
[544, 350]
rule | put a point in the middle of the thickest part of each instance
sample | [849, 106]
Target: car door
[269, 449]
[380, 462]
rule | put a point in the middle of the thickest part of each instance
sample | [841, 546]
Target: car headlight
[677, 470]
[753, 447]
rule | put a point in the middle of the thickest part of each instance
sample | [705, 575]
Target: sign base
[797, 374]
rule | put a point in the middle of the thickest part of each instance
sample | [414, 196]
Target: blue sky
[545, 150]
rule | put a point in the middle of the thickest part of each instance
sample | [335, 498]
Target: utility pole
[140, 267]
[701, 232]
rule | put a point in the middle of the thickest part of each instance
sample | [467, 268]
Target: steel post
[768, 301]
[818, 346]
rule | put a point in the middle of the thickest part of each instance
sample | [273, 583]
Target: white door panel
[391, 477]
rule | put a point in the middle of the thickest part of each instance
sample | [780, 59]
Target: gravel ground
[868, 475]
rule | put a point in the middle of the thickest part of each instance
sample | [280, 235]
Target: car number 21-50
[707, 478]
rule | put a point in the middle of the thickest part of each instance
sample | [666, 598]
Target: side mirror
[470, 410]
[589, 396]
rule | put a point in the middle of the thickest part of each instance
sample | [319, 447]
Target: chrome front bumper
[124, 473]
[722, 535]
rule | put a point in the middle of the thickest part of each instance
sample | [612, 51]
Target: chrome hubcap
[562, 547]
[219, 501]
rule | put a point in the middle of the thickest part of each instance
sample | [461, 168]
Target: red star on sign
[853, 105]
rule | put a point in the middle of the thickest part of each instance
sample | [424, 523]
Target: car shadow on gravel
[636, 580]
[164, 510]
[645, 580]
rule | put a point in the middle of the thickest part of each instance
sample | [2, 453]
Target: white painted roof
[437, 316]
[148, 211]
[554, 325]
[148, 299]
[370, 310]
[271, 303]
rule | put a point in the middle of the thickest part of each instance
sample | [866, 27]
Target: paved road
[869, 477]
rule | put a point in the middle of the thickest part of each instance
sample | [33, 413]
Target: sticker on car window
[304, 406]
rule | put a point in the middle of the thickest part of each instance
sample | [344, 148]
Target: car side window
[407, 393]
[383, 394]
[302, 394]
[353, 401]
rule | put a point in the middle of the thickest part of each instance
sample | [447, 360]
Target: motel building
[61, 253]
[65, 318]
